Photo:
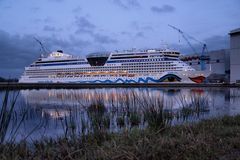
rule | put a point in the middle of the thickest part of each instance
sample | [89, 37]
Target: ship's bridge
[97, 59]
[171, 53]
[58, 55]
[165, 52]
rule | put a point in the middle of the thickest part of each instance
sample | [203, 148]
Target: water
[56, 113]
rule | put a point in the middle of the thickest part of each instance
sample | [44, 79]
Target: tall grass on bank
[126, 112]
[193, 105]
[129, 110]
[155, 113]
[6, 113]
[210, 139]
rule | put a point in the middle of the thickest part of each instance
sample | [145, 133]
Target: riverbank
[209, 139]
[16, 86]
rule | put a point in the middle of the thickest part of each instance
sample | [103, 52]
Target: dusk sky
[79, 27]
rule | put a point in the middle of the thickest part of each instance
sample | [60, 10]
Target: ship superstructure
[132, 66]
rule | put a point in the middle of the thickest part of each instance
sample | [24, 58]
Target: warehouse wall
[235, 56]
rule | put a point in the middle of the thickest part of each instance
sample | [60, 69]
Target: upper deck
[100, 59]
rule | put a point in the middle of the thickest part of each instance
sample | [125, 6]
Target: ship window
[190, 64]
[217, 60]
[97, 61]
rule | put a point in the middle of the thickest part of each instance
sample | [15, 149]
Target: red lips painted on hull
[198, 79]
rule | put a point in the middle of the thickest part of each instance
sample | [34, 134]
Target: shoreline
[16, 86]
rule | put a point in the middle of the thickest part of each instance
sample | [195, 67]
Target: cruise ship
[131, 66]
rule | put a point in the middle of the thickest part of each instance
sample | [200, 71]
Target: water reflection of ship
[172, 92]
[65, 99]
[85, 97]
[197, 91]
[55, 113]
[168, 91]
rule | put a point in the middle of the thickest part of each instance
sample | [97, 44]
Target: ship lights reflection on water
[59, 102]
[55, 113]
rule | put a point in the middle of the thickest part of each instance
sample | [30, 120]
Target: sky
[80, 27]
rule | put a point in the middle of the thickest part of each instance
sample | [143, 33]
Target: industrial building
[235, 56]
[218, 63]
[224, 63]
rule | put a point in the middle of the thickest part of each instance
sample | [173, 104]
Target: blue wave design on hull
[140, 80]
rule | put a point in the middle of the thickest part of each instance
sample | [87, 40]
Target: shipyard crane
[46, 51]
[203, 56]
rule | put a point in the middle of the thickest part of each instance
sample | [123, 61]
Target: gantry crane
[204, 57]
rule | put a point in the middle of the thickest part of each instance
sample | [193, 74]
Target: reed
[209, 139]
[126, 111]
[155, 114]
[99, 120]
[193, 105]
[120, 121]
[6, 113]
[134, 119]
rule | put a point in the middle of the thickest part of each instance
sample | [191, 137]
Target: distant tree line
[8, 80]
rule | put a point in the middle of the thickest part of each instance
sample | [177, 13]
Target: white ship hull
[177, 77]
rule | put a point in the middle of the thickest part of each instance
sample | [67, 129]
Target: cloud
[35, 9]
[147, 27]
[49, 28]
[103, 39]
[84, 25]
[217, 42]
[127, 4]
[213, 43]
[56, 0]
[140, 35]
[141, 27]
[20, 51]
[48, 20]
[77, 9]
[163, 9]
[125, 33]
[138, 29]
[7, 7]
[16, 53]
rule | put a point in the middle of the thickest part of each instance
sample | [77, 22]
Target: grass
[6, 114]
[209, 139]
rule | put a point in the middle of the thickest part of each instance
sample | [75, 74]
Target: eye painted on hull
[170, 78]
